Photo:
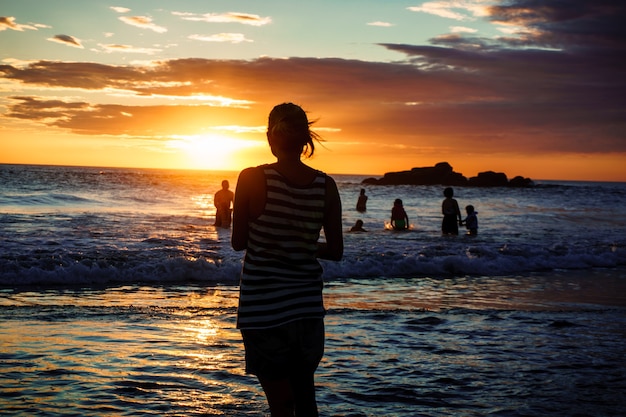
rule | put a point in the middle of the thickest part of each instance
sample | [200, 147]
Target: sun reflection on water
[204, 203]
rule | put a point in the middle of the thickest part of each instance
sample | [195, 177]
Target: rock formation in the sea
[443, 174]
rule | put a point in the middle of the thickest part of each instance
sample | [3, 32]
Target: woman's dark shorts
[290, 349]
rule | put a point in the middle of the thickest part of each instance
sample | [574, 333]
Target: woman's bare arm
[333, 248]
[248, 203]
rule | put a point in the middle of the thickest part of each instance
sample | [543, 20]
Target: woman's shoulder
[252, 175]
[259, 169]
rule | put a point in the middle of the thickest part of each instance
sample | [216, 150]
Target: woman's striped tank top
[281, 279]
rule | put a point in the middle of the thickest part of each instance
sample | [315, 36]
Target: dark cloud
[113, 119]
[33, 109]
[67, 40]
[85, 75]
[567, 24]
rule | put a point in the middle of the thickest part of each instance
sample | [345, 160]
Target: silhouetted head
[469, 209]
[448, 192]
[362, 191]
[397, 202]
[288, 131]
[359, 223]
[225, 184]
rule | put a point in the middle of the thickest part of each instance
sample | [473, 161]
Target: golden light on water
[205, 331]
[204, 203]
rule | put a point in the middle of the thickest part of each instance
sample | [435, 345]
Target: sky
[535, 88]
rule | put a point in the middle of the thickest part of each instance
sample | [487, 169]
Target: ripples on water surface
[474, 347]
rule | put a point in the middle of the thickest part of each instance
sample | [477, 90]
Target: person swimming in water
[358, 226]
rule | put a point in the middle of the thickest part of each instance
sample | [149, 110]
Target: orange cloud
[494, 106]
[8, 22]
[221, 37]
[229, 17]
[142, 22]
[129, 49]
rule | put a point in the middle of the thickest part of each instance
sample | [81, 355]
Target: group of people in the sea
[449, 208]
[399, 219]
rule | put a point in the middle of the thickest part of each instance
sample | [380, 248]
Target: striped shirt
[281, 279]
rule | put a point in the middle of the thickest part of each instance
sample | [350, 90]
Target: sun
[212, 151]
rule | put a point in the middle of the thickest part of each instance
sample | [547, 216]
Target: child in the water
[471, 221]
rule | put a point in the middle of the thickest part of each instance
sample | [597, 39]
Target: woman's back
[279, 212]
[281, 253]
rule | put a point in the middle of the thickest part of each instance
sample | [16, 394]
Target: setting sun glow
[212, 151]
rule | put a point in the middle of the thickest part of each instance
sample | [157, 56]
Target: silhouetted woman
[279, 211]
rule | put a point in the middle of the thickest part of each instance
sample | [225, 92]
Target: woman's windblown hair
[288, 129]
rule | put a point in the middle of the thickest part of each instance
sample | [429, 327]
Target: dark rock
[370, 180]
[520, 181]
[443, 174]
[489, 179]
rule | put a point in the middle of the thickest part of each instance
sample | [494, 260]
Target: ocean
[118, 298]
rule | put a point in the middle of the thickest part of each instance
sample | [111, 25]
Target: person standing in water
[361, 204]
[222, 200]
[399, 218]
[279, 211]
[451, 211]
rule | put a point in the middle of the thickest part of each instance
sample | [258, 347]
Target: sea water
[69, 225]
[118, 297]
